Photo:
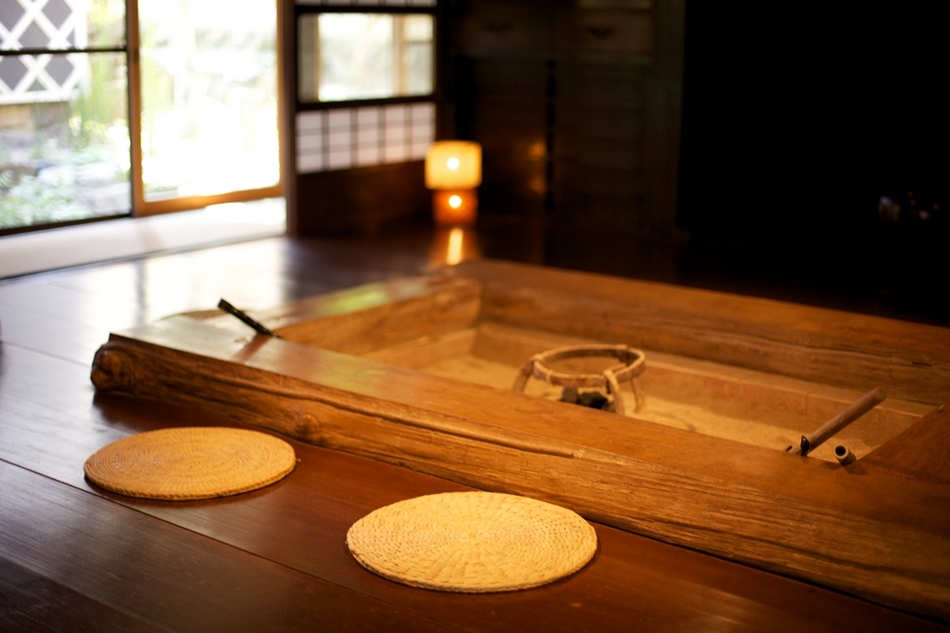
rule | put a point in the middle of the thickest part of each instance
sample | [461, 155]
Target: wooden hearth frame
[879, 528]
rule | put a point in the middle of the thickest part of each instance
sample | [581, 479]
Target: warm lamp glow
[454, 207]
[454, 169]
[454, 165]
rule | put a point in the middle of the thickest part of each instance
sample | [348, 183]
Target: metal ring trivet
[632, 364]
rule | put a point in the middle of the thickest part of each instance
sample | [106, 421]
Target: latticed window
[42, 25]
[64, 122]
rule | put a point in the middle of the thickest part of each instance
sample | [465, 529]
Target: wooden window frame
[310, 9]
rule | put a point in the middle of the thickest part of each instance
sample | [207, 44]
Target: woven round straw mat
[472, 542]
[190, 463]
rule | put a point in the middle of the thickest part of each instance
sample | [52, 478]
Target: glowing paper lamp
[453, 170]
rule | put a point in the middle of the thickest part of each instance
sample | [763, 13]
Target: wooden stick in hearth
[861, 406]
[260, 329]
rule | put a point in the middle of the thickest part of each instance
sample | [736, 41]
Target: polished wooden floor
[74, 558]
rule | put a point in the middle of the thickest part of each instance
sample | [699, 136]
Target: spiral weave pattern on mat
[472, 542]
[190, 463]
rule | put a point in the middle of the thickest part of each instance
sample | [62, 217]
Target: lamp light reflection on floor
[454, 254]
[452, 246]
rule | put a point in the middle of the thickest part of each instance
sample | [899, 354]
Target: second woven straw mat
[190, 463]
[473, 542]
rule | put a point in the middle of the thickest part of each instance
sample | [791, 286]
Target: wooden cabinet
[577, 108]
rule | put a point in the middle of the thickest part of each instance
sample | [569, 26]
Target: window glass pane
[64, 138]
[356, 59]
[209, 96]
[106, 23]
[60, 24]
[417, 78]
[346, 56]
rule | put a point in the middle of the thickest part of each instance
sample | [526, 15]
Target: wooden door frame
[141, 207]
